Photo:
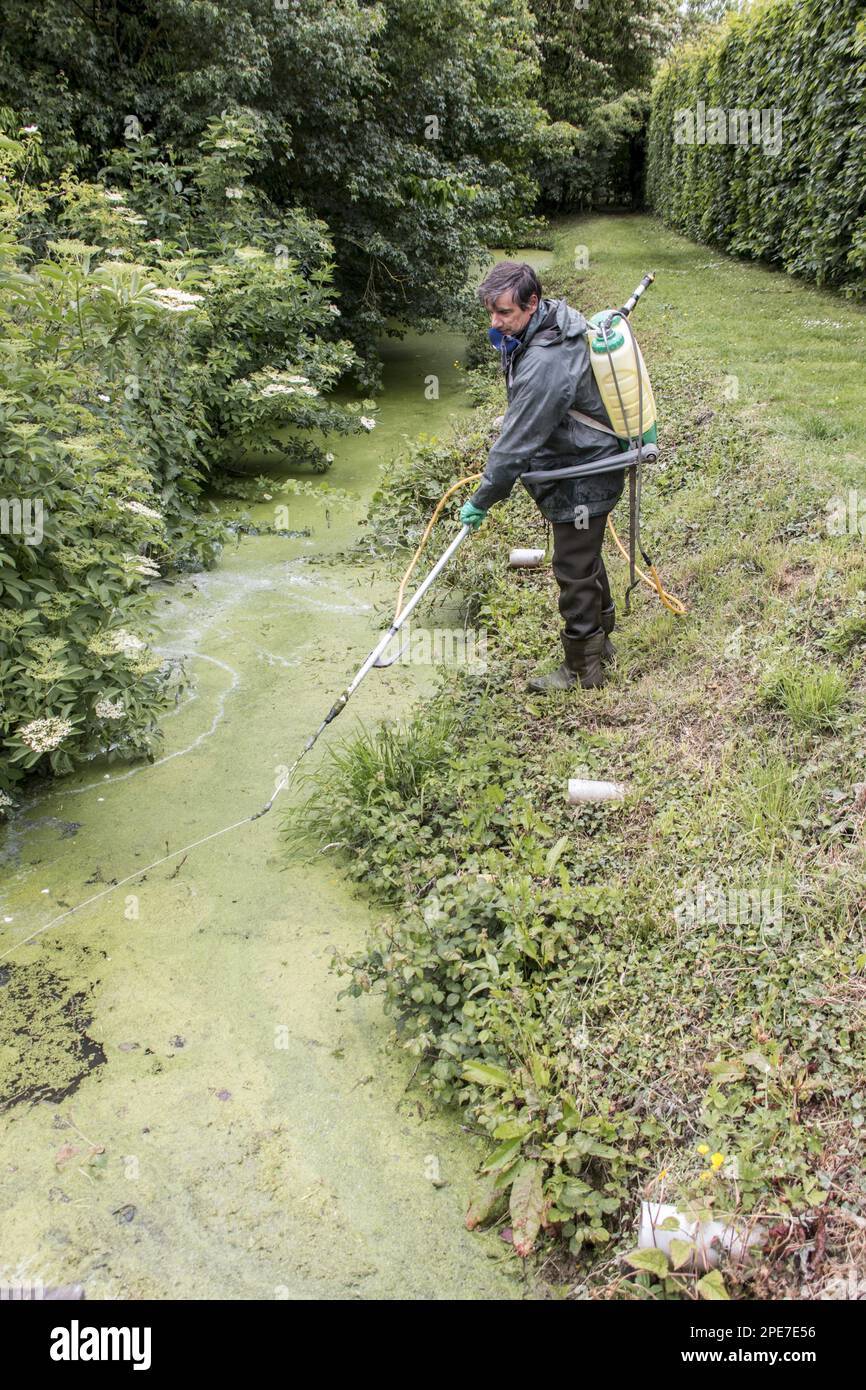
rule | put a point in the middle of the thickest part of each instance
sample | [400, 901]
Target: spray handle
[630, 303]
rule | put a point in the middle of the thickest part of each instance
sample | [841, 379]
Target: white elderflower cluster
[287, 384]
[139, 509]
[142, 564]
[5, 801]
[178, 301]
[44, 735]
[114, 196]
[276, 388]
[334, 310]
[116, 642]
[127, 642]
[368, 423]
[109, 709]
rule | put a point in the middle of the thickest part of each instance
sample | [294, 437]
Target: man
[545, 359]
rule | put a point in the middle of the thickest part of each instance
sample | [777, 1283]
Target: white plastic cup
[580, 790]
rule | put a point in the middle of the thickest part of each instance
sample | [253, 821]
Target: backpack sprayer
[621, 394]
[624, 386]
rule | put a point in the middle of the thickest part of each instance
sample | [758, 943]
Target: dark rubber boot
[585, 658]
[560, 679]
[608, 622]
[582, 666]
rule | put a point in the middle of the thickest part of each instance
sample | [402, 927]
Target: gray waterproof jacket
[543, 380]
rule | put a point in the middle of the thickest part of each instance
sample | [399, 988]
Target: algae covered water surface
[189, 1111]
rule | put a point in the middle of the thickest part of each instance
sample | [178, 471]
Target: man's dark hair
[516, 276]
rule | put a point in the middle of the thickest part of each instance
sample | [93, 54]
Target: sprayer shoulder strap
[543, 338]
[594, 424]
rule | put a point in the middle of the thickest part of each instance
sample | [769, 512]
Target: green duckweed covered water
[190, 1111]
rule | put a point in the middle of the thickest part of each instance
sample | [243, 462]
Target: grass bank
[659, 1000]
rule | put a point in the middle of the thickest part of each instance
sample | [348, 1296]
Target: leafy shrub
[595, 165]
[132, 365]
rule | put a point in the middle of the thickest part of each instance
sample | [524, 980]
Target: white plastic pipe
[580, 790]
[525, 559]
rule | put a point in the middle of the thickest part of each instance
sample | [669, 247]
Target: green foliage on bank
[406, 126]
[147, 339]
[795, 196]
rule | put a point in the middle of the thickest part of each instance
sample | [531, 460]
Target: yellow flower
[662, 1174]
[717, 1160]
[703, 1148]
[706, 1175]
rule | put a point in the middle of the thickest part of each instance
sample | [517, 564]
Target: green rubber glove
[471, 516]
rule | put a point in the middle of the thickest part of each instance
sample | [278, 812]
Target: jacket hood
[558, 314]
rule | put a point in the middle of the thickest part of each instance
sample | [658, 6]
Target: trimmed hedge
[801, 206]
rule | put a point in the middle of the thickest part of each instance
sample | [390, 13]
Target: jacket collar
[546, 315]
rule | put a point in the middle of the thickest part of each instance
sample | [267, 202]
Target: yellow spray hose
[470, 478]
[669, 600]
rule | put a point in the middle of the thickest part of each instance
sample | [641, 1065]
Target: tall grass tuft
[769, 801]
[810, 695]
[367, 773]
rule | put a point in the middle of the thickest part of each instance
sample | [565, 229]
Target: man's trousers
[580, 573]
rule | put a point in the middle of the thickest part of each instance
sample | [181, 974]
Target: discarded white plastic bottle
[708, 1237]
